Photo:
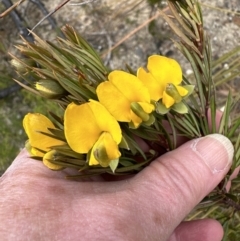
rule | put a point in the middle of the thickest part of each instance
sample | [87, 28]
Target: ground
[104, 24]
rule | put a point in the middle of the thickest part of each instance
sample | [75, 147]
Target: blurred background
[124, 32]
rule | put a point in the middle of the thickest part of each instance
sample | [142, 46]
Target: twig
[51, 20]
[50, 13]
[133, 32]
[83, 3]
[18, 21]
[10, 8]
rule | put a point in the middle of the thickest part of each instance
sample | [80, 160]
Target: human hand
[39, 204]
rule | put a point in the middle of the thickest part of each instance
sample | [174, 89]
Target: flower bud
[23, 65]
[51, 155]
[50, 89]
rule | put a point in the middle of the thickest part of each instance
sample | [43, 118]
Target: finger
[25, 167]
[198, 230]
[180, 139]
[177, 181]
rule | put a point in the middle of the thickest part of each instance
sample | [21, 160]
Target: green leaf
[224, 123]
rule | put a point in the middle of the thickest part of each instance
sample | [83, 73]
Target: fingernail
[215, 150]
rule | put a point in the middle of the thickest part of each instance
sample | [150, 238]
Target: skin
[39, 204]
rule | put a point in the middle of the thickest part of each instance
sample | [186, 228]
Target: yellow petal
[106, 121]
[154, 87]
[119, 92]
[36, 152]
[116, 103]
[85, 123]
[182, 91]
[46, 161]
[104, 150]
[80, 127]
[130, 86]
[148, 108]
[92, 160]
[167, 100]
[34, 123]
[165, 70]
[135, 119]
[33, 151]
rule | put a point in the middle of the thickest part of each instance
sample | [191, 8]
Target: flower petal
[80, 127]
[106, 121]
[135, 119]
[130, 86]
[164, 69]
[167, 100]
[154, 87]
[148, 108]
[119, 92]
[116, 103]
[85, 123]
[34, 123]
[181, 90]
[104, 150]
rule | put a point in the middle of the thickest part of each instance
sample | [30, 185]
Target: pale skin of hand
[39, 204]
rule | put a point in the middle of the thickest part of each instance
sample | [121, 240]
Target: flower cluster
[93, 128]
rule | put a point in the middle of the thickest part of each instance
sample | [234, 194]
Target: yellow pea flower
[163, 80]
[33, 124]
[90, 128]
[126, 98]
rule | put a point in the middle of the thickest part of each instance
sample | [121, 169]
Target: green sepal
[150, 121]
[180, 108]
[189, 88]
[161, 108]
[113, 164]
[124, 144]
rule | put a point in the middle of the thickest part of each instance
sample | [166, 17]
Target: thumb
[176, 182]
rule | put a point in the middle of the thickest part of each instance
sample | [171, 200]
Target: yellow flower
[163, 80]
[90, 128]
[34, 123]
[125, 97]
[47, 161]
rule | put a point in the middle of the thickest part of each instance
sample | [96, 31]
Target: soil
[105, 22]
